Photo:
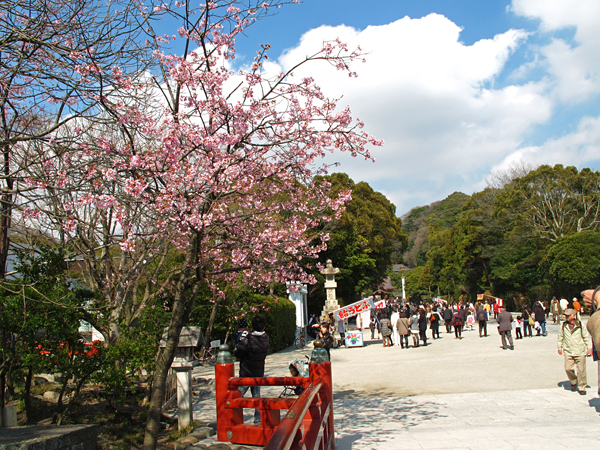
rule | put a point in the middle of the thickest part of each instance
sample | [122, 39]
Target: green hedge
[280, 315]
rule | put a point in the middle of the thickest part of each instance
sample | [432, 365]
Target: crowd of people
[396, 323]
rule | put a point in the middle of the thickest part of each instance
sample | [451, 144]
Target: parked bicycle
[300, 341]
[208, 354]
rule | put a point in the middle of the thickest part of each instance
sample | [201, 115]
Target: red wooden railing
[308, 423]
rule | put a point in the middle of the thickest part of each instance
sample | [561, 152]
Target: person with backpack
[434, 324]
[448, 319]
[457, 323]
[251, 351]
[574, 343]
[482, 318]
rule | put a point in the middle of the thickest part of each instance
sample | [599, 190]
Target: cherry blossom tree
[57, 59]
[215, 163]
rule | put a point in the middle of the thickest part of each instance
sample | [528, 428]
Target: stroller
[298, 368]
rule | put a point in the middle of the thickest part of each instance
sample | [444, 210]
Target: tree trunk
[165, 358]
[2, 389]
[27, 396]
[72, 401]
[211, 322]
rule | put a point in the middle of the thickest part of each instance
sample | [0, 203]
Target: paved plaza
[468, 394]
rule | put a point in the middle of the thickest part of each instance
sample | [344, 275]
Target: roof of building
[189, 337]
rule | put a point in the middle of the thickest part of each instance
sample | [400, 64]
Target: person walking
[574, 343]
[448, 318]
[251, 351]
[457, 323]
[505, 320]
[385, 328]
[403, 326]
[526, 317]
[434, 324]
[414, 329]
[482, 319]
[577, 308]
[540, 317]
[394, 320]
[555, 310]
[423, 325]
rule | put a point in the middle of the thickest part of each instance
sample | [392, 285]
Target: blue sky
[458, 89]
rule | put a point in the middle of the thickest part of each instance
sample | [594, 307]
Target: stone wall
[70, 437]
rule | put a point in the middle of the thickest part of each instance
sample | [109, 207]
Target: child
[470, 321]
[518, 327]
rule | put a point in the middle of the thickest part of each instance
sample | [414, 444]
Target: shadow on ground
[358, 417]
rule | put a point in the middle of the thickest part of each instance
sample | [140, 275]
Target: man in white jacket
[574, 343]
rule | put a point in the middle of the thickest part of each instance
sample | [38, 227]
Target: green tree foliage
[553, 202]
[575, 260]
[280, 314]
[533, 236]
[362, 241]
[442, 214]
[39, 319]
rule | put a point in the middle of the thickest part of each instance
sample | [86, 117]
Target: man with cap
[505, 320]
[574, 343]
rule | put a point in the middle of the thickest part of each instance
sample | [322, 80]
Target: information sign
[354, 338]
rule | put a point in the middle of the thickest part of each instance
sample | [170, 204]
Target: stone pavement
[465, 393]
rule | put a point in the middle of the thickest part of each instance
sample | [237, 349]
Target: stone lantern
[331, 303]
[189, 339]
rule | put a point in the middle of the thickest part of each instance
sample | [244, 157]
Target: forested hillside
[417, 223]
[529, 238]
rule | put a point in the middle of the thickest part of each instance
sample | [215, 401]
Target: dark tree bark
[27, 395]
[183, 297]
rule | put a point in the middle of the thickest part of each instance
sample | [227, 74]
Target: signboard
[353, 309]
[379, 304]
[354, 339]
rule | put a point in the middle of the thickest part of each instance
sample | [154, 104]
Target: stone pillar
[8, 416]
[185, 414]
[297, 294]
[331, 303]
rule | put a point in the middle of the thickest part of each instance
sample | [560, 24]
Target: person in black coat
[448, 319]
[423, 325]
[325, 336]
[540, 317]
[251, 351]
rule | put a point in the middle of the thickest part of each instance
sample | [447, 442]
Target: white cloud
[580, 148]
[432, 99]
[575, 68]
